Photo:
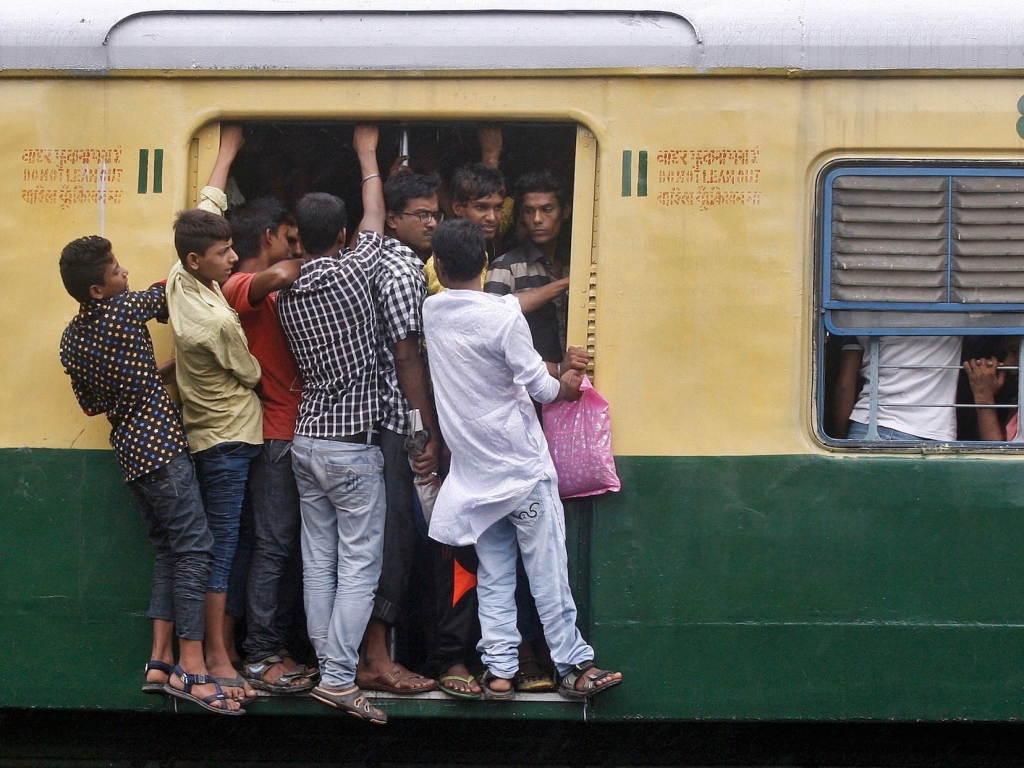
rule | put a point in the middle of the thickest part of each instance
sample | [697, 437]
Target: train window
[921, 271]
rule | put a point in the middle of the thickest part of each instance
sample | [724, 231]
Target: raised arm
[491, 143]
[364, 141]
[231, 140]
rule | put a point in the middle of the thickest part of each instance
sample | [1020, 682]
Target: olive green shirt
[216, 373]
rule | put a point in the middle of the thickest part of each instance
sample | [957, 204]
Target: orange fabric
[462, 583]
[280, 389]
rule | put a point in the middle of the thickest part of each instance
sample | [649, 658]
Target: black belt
[369, 437]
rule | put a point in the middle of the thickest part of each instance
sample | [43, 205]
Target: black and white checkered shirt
[330, 321]
[401, 288]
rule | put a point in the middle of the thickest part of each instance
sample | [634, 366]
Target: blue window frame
[909, 245]
[917, 249]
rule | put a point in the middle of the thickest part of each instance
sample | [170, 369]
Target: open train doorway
[286, 159]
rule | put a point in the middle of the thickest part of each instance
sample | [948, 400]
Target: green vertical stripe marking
[641, 174]
[143, 170]
[627, 172]
[158, 171]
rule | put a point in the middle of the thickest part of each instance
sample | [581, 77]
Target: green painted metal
[158, 171]
[75, 565]
[641, 174]
[143, 171]
[753, 588]
[812, 587]
[627, 172]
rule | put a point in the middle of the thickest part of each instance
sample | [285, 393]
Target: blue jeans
[859, 431]
[538, 525]
[223, 473]
[341, 492]
[172, 507]
[271, 597]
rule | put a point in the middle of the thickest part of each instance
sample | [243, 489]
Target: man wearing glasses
[411, 215]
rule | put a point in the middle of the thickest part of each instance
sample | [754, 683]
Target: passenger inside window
[993, 382]
[917, 384]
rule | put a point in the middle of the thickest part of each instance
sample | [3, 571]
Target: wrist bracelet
[371, 176]
[559, 369]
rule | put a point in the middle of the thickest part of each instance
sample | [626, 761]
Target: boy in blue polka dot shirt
[107, 351]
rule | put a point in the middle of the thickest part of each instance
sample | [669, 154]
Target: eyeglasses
[424, 216]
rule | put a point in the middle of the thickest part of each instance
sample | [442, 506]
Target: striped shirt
[523, 268]
[400, 290]
[330, 320]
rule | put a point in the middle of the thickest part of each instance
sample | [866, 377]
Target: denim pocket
[234, 448]
[275, 451]
[349, 484]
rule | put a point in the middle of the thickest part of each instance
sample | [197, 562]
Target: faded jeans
[172, 507]
[538, 525]
[859, 431]
[341, 491]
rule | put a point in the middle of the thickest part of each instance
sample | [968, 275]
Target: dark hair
[474, 181]
[250, 221]
[319, 217]
[542, 181]
[83, 264]
[399, 190]
[195, 231]
[459, 245]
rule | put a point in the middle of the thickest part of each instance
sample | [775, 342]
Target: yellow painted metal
[703, 324]
[583, 276]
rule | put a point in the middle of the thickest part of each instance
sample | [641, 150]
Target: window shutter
[890, 238]
[924, 249]
[988, 240]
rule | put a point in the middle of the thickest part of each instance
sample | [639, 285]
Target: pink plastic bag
[580, 440]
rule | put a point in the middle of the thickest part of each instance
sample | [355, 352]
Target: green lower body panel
[750, 588]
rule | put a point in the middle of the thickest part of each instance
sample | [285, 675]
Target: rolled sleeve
[213, 200]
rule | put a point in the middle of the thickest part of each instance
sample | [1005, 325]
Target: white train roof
[96, 37]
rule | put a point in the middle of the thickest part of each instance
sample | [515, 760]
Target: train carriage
[755, 565]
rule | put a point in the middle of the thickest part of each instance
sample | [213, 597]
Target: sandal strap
[220, 697]
[188, 680]
[570, 678]
[290, 677]
[155, 665]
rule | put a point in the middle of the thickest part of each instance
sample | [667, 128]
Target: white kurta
[484, 370]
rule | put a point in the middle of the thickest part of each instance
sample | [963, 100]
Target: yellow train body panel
[704, 317]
